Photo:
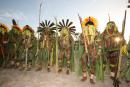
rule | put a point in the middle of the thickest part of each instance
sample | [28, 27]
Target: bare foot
[92, 81]
[84, 79]
[48, 69]
[60, 70]
[67, 72]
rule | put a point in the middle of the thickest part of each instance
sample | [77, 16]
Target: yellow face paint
[64, 32]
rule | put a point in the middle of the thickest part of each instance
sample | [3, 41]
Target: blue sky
[26, 12]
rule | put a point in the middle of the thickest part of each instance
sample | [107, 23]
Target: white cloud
[17, 15]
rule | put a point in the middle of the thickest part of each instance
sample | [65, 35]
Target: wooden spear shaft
[56, 45]
[38, 34]
[117, 74]
[84, 38]
[120, 57]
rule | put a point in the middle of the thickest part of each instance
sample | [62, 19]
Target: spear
[38, 33]
[56, 45]
[84, 38]
[116, 79]
[86, 50]
[109, 17]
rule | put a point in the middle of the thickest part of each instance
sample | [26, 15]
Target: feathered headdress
[27, 30]
[46, 26]
[15, 27]
[27, 27]
[111, 24]
[90, 21]
[111, 28]
[67, 25]
[3, 28]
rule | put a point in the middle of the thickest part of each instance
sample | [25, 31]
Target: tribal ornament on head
[14, 22]
[27, 30]
[111, 28]
[90, 21]
[46, 26]
[27, 27]
[15, 27]
[89, 26]
[3, 28]
[66, 27]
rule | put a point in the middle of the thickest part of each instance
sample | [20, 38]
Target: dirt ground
[16, 78]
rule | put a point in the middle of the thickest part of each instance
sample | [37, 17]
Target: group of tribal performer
[48, 44]
[20, 48]
[13, 44]
[9, 48]
[100, 49]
